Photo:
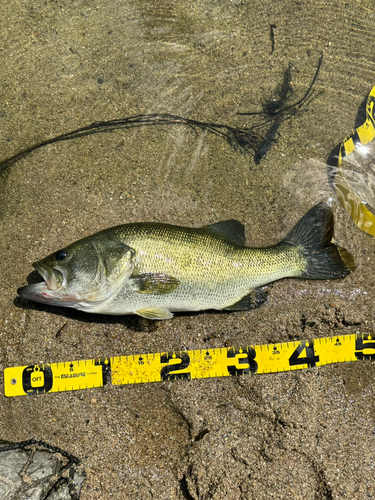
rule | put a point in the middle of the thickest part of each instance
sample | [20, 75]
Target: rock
[29, 470]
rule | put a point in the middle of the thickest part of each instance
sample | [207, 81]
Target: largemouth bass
[154, 269]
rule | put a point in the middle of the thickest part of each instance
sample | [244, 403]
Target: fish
[154, 269]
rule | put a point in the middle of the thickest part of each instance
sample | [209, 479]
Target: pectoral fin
[154, 313]
[156, 284]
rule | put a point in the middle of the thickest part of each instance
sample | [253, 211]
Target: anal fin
[154, 313]
[253, 300]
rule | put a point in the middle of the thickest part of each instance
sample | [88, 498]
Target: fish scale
[219, 272]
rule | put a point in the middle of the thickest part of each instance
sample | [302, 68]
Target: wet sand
[65, 65]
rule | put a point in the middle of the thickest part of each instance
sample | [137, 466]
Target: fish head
[82, 275]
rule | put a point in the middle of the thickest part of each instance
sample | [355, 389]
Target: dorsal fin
[231, 229]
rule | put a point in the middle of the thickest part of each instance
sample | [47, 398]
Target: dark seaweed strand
[245, 138]
[294, 106]
[277, 112]
[285, 91]
[41, 444]
[273, 26]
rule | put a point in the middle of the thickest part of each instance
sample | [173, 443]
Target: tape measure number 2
[205, 363]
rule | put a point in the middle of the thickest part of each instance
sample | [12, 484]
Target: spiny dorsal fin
[231, 229]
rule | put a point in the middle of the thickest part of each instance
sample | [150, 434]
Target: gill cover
[115, 265]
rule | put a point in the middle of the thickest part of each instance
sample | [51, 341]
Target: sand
[66, 64]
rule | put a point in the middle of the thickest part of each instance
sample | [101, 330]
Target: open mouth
[45, 290]
[53, 278]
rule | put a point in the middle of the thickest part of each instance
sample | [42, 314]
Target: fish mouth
[53, 278]
[43, 291]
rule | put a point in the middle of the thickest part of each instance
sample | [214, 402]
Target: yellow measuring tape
[204, 363]
[350, 200]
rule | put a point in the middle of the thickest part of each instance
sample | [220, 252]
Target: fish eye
[61, 254]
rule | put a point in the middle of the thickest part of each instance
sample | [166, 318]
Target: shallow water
[68, 64]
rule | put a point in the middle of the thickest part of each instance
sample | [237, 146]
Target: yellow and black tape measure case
[204, 363]
[363, 140]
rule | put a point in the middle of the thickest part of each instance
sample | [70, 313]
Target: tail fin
[324, 259]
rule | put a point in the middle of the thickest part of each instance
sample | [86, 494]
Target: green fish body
[154, 269]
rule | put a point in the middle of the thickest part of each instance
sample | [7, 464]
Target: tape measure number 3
[204, 363]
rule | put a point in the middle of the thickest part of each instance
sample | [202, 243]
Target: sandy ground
[65, 64]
